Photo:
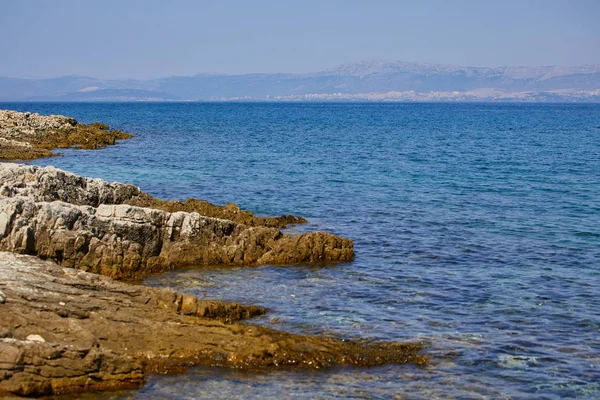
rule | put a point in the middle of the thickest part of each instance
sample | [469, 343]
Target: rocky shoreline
[64, 330]
[86, 224]
[68, 325]
[26, 136]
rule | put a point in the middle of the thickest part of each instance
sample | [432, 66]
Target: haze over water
[476, 230]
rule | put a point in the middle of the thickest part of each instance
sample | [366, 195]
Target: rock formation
[83, 223]
[64, 330]
[25, 136]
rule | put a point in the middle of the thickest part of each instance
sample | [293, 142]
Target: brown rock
[25, 136]
[312, 247]
[102, 335]
[123, 241]
[189, 305]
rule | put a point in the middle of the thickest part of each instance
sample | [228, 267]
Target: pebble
[2, 297]
[36, 338]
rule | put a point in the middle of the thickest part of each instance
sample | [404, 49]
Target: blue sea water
[476, 230]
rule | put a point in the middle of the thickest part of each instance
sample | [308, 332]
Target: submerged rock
[25, 136]
[82, 223]
[93, 333]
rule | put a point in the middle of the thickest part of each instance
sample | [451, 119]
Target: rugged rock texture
[63, 330]
[25, 136]
[79, 223]
[18, 125]
[50, 184]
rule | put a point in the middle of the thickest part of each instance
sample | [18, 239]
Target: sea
[476, 231]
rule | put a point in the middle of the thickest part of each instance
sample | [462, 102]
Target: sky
[145, 39]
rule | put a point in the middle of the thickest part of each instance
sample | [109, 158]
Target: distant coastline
[375, 80]
[375, 98]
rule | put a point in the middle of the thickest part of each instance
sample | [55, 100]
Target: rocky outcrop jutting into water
[63, 330]
[66, 328]
[25, 136]
[83, 223]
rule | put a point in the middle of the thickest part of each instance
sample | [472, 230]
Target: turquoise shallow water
[476, 229]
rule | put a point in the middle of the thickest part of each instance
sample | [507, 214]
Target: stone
[51, 184]
[131, 331]
[26, 136]
[189, 305]
[16, 125]
[35, 338]
[63, 369]
[82, 223]
[2, 297]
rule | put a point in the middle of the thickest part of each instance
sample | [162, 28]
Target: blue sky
[149, 38]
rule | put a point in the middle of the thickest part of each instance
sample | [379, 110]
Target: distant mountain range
[375, 80]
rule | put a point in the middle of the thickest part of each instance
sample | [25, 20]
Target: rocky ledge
[25, 136]
[64, 331]
[86, 224]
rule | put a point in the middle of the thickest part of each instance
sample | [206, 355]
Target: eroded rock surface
[50, 184]
[93, 333]
[25, 136]
[81, 223]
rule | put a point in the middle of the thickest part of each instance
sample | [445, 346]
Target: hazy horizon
[153, 39]
[309, 72]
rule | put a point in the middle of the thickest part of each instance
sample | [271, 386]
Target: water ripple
[476, 227]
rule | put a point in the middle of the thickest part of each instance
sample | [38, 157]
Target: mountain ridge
[360, 78]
